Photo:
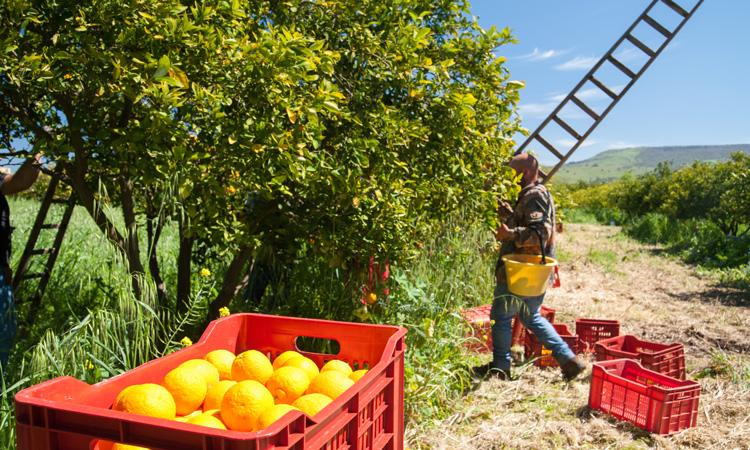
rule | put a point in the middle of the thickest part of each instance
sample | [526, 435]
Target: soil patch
[608, 276]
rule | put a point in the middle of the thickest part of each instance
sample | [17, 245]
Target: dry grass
[606, 276]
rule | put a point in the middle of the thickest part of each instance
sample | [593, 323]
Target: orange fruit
[282, 358]
[187, 417]
[206, 369]
[216, 393]
[252, 365]
[243, 403]
[337, 365]
[357, 374]
[120, 395]
[304, 363]
[118, 446]
[273, 414]
[311, 404]
[147, 400]
[287, 384]
[331, 383]
[222, 360]
[208, 419]
[105, 445]
[188, 388]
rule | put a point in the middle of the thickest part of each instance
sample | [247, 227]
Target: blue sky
[695, 92]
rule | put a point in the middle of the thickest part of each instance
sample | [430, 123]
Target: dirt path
[607, 276]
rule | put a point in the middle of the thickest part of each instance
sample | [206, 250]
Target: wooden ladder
[30, 251]
[607, 61]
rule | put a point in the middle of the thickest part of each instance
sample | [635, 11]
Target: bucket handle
[541, 242]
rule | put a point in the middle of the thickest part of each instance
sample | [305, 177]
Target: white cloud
[537, 55]
[577, 63]
[536, 109]
[569, 143]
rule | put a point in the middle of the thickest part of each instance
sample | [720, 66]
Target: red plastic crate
[66, 414]
[535, 349]
[480, 328]
[649, 400]
[519, 330]
[667, 359]
[591, 331]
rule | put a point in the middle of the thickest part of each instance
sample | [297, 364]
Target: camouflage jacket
[534, 209]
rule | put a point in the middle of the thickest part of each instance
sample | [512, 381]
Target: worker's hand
[502, 232]
[504, 210]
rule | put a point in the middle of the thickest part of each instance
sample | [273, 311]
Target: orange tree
[355, 124]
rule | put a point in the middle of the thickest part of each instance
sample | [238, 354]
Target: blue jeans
[507, 305]
[7, 319]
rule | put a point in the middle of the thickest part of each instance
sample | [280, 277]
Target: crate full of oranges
[245, 382]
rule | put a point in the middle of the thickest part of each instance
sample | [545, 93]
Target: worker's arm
[24, 177]
[535, 215]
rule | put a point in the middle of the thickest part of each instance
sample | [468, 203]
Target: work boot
[572, 368]
[488, 370]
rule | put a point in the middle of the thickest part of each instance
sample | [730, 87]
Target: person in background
[532, 218]
[10, 184]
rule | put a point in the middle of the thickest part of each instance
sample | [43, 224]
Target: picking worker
[534, 209]
[12, 183]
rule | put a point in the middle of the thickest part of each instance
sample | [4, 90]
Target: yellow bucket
[526, 276]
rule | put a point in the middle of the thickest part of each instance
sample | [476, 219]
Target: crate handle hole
[311, 344]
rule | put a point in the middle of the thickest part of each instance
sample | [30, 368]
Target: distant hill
[613, 164]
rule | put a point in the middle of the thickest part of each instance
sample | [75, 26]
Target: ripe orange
[206, 369]
[188, 388]
[273, 414]
[337, 365]
[304, 363]
[222, 360]
[243, 403]
[287, 384]
[357, 374]
[252, 365]
[331, 383]
[105, 445]
[147, 400]
[187, 417]
[284, 357]
[311, 404]
[216, 393]
[208, 419]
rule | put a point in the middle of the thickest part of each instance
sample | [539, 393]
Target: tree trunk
[131, 228]
[184, 260]
[231, 286]
[153, 262]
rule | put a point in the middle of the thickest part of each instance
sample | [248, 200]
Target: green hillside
[613, 164]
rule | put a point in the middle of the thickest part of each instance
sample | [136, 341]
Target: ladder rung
[621, 66]
[644, 48]
[657, 26]
[567, 128]
[59, 200]
[604, 88]
[43, 251]
[28, 276]
[51, 226]
[677, 8]
[585, 108]
[549, 147]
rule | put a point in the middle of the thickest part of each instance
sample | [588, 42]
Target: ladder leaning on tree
[51, 253]
[609, 58]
